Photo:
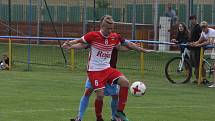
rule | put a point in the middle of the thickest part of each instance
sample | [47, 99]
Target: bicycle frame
[179, 69]
[186, 52]
[183, 55]
[209, 67]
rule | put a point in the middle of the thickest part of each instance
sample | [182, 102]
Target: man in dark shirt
[195, 51]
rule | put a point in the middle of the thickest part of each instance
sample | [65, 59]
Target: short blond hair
[107, 19]
[204, 24]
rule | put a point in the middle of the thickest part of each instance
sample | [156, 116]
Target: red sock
[123, 94]
[98, 108]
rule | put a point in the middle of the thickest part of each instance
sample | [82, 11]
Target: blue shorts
[109, 90]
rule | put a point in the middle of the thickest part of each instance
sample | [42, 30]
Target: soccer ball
[138, 89]
[2, 66]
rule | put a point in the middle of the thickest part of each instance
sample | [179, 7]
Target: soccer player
[207, 37]
[110, 90]
[99, 71]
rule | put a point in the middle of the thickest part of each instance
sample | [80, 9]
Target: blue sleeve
[124, 43]
[88, 84]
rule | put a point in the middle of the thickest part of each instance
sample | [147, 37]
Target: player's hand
[174, 41]
[192, 44]
[66, 45]
[197, 45]
[174, 45]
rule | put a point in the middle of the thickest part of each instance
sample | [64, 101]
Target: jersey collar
[103, 34]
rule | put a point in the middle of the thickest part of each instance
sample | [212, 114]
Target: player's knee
[99, 94]
[88, 92]
[100, 97]
[123, 82]
[126, 84]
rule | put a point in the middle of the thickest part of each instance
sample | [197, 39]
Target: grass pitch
[54, 96]
[52, 93]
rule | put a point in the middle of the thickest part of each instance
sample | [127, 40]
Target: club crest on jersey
[103, 54]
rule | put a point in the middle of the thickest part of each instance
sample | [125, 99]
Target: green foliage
[102, 3]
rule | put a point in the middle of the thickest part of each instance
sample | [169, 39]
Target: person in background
[182, 36]
[171, 13]
[4, 62]
[207, 37]
[195, 34]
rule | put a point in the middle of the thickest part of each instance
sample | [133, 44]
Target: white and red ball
[138, 88]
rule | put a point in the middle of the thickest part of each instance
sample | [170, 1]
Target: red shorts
[99, 79]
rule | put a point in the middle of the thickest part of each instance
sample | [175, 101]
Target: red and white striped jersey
[101, 49]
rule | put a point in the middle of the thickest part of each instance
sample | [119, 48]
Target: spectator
[182, 36]
[4, 62]
[207, 37]
[196, 42]
[171, 13]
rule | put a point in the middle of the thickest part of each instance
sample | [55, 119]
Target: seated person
[4, 62]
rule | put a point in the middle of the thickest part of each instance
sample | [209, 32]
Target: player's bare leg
[123, 94]
[99, 104]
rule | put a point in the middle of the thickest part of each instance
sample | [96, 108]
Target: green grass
[52, 93]
[54, 96]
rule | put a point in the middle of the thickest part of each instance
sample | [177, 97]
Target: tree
[102, 3]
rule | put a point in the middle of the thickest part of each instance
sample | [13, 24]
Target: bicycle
[179, 70]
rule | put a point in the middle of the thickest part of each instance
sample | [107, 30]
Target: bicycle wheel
[208, 66]
[175, 74]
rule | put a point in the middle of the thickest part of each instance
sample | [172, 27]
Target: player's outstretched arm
[122, 48]
[77, 46]
[133, 46]
[72, 44]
